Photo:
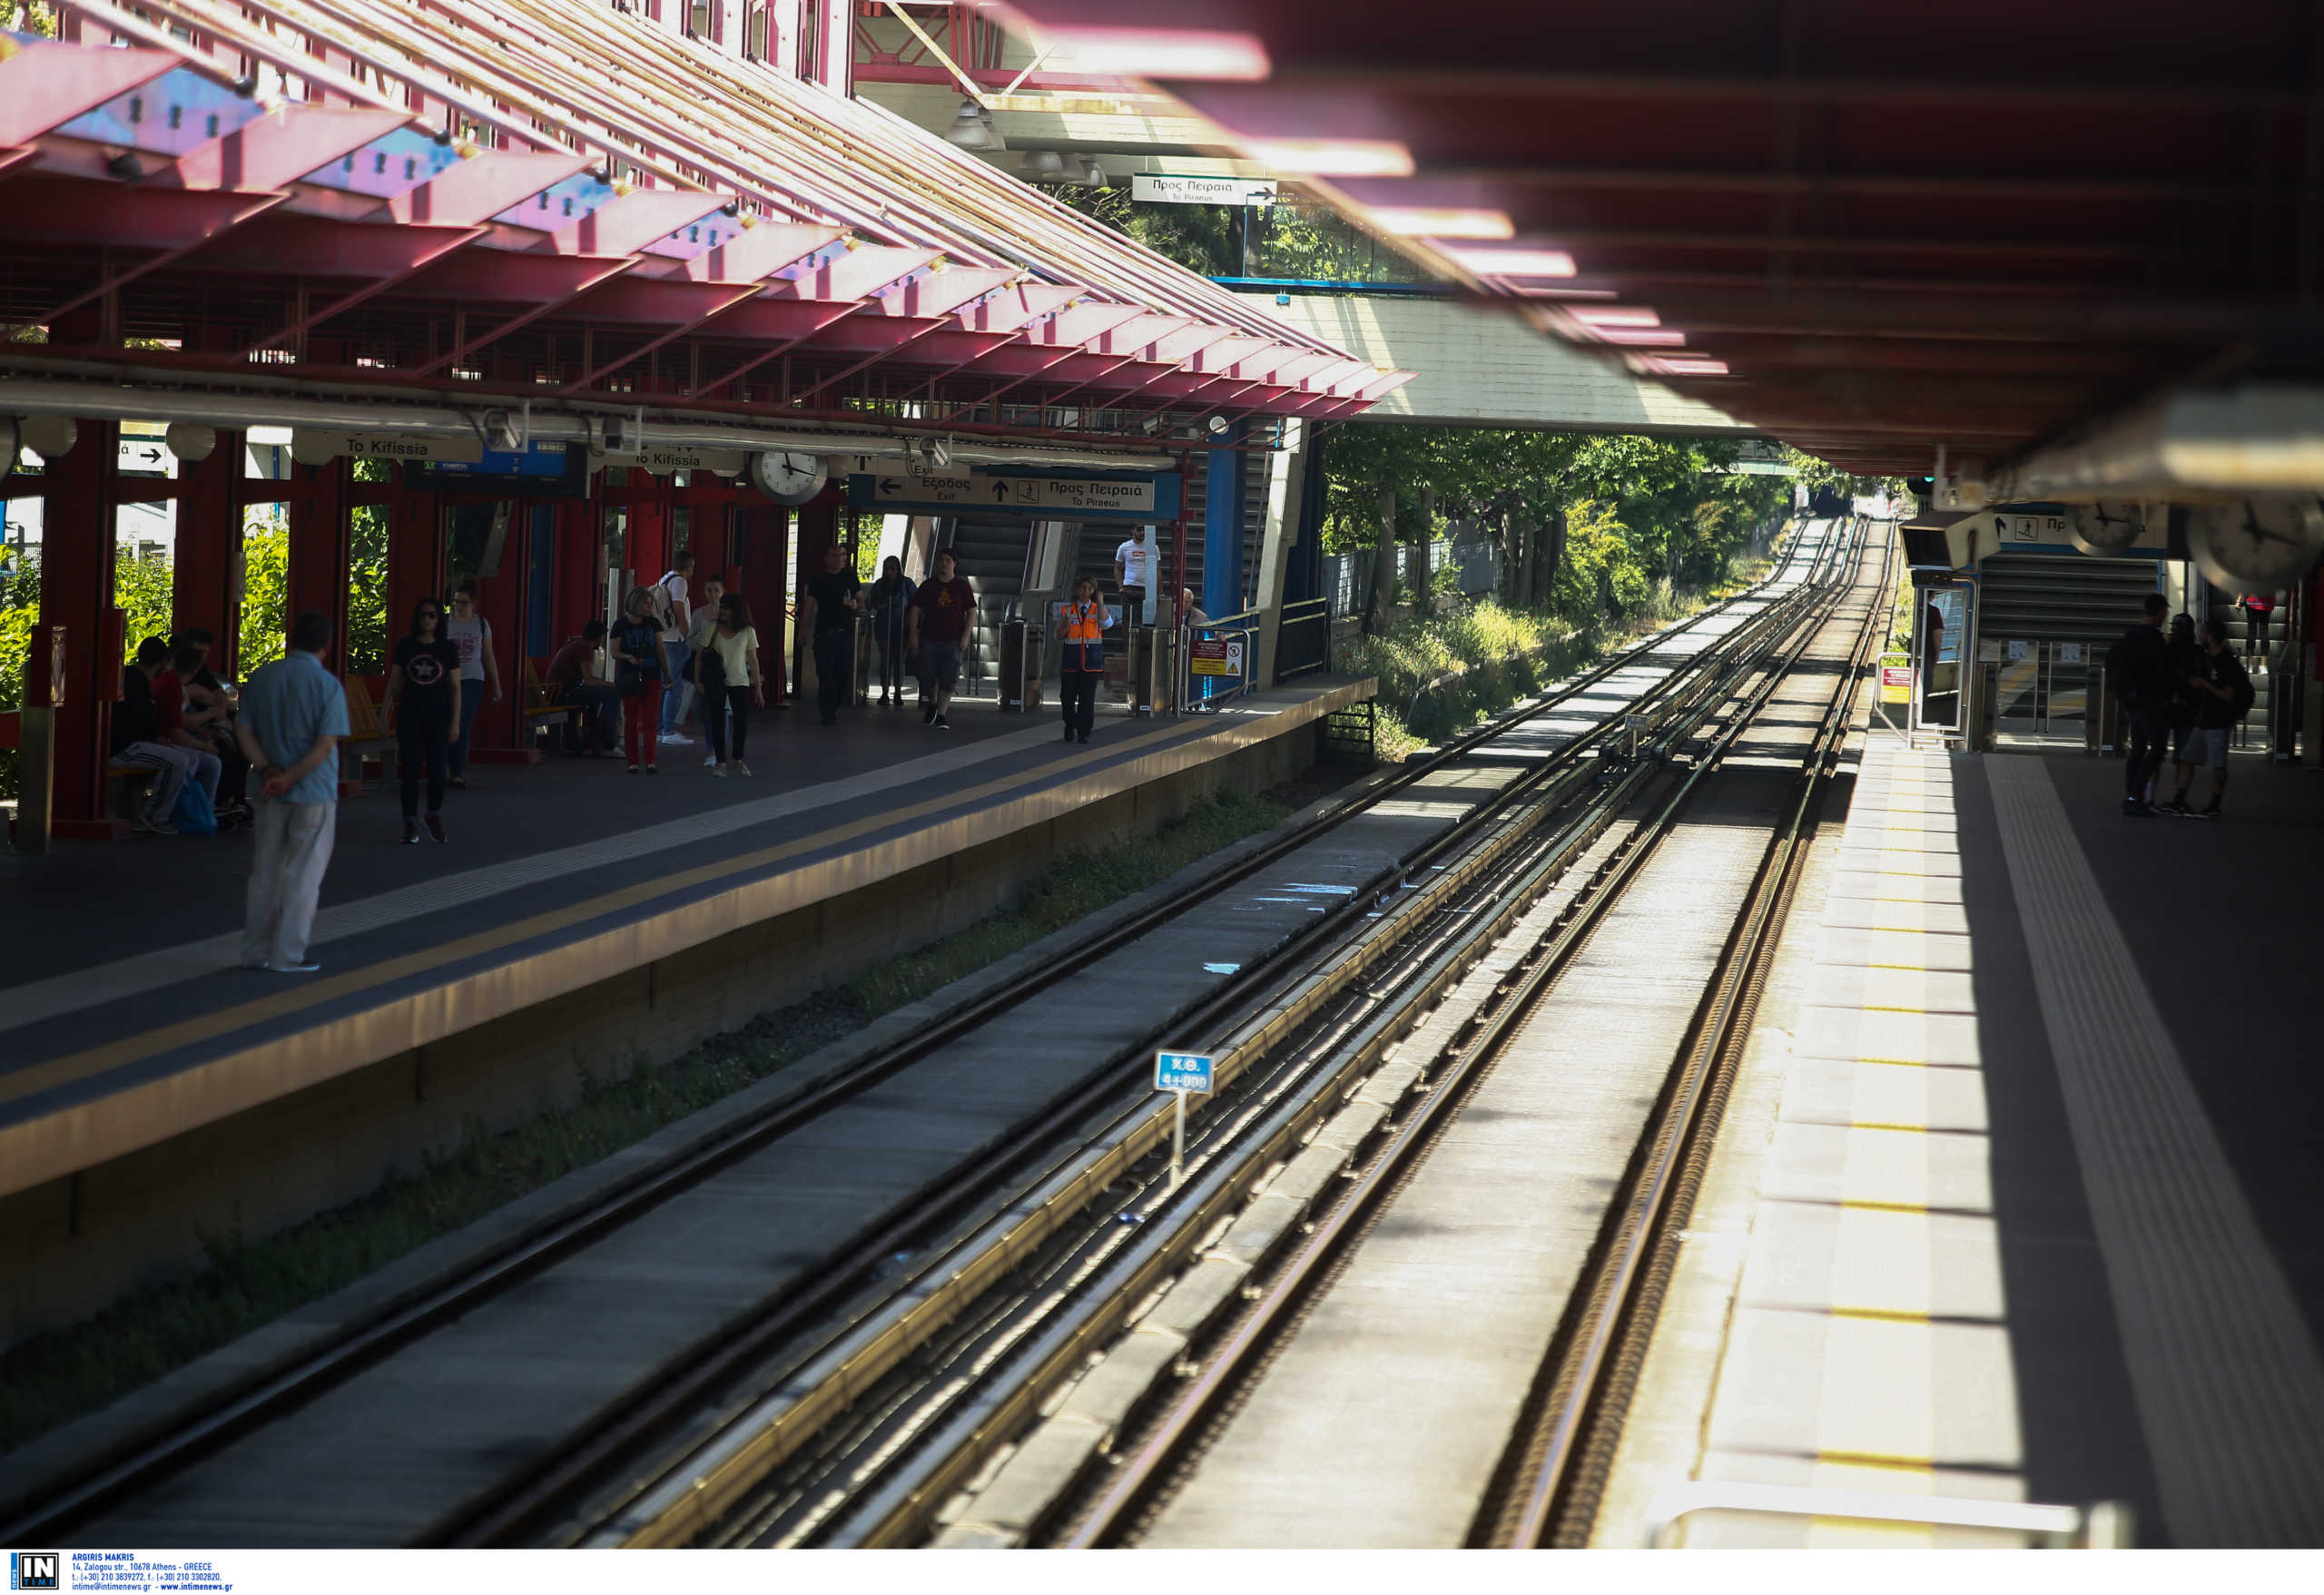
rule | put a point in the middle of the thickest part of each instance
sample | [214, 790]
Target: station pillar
[76, 592]
[320, 556]
[1221, 540]
[208, 549]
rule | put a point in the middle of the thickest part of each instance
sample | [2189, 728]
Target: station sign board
[1148, 497]
[1185, 1071]
[661, 462]
[1161, 188]
[1214, 656]
[1895, 680]
[405, 447]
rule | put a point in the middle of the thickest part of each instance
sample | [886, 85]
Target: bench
[125, 787]
[366, 738]
[542, 705]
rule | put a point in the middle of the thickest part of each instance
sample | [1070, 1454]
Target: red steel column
[77, 593]
[209, 542]
[320, 556]
[415, 555]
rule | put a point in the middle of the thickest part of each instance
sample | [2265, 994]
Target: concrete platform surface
[124, 1019]
[2037, 1217]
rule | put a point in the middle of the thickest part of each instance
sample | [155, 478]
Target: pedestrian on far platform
[833, 599]
[1082, 625]
[294, 711]
[937, 629]
[2138, 669]
[471, 634]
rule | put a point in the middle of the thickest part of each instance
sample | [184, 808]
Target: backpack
[193, 816]
[2245, 696]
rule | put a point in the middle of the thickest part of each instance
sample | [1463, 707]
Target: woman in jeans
[885, 604]
[471, 634]
[635, 645]
[423, 684]
[736, 645]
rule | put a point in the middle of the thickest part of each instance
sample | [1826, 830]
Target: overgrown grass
[1444, 673]
[49, 1379]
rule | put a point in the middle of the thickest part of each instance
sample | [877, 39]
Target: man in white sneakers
[294, 711]
[677, 621]
[1134, 574]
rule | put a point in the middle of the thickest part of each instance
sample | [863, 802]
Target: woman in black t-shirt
[423, 703]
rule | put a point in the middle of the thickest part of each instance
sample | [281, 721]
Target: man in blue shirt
[294, 711]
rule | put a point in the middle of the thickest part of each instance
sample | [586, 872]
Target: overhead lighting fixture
[1044, 166]
[1089, 174]
[972, 128]
[1673, 367]
[1334, 157]
[1515, 262]
[1204, 54]
[1448, 222]
[1617, 315]
[1642, 337]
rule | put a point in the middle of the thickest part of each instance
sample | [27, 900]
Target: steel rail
[1327, 1067]
[529, 1501]
[1589, 1394]
[252, 1405]
[1146, 1469]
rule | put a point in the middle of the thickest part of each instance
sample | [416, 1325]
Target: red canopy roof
[543, 195]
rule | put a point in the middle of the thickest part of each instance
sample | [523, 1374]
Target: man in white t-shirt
[1134, 572]
[677, 620]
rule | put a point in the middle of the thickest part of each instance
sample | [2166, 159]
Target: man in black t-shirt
[2138, 669]
[832, 600]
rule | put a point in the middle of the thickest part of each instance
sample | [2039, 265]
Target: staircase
[991, 555]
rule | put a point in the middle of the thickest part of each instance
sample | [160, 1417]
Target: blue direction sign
[1184, 1071]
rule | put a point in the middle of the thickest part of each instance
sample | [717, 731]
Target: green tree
[146, 592]
[266, 591]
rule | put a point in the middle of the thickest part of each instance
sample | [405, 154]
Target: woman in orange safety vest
[1082, 625]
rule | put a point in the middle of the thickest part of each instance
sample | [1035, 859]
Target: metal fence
[1303, 640]
[1239, 634]
[1347, 577]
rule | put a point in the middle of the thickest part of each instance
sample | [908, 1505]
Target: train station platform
[578, 920]
[2017, 1199]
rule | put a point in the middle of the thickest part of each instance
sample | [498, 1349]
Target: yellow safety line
[1878, 1314]
[1866, 1459]
[1866, 1205]
[203, 1028]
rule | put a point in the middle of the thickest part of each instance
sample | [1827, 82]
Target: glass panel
[144, 581]
[367, 587]
[265, 586]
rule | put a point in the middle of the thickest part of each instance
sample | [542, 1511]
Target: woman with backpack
[635, 645]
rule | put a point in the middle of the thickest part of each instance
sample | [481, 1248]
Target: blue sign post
[1179, 1073]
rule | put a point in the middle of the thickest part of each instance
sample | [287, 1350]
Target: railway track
[1545, 1485]
[682, 1454]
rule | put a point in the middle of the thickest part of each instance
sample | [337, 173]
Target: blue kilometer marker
[1221, 968]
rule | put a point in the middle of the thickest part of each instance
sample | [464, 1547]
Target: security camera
[500, 434]
[939, 452]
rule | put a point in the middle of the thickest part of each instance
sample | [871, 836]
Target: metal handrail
[1246, 621]
[2106, 1525]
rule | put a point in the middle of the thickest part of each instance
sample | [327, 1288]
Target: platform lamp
[1089, 174]
[972, 129]
[191, 441]
[50, 437]
[1045, 166]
